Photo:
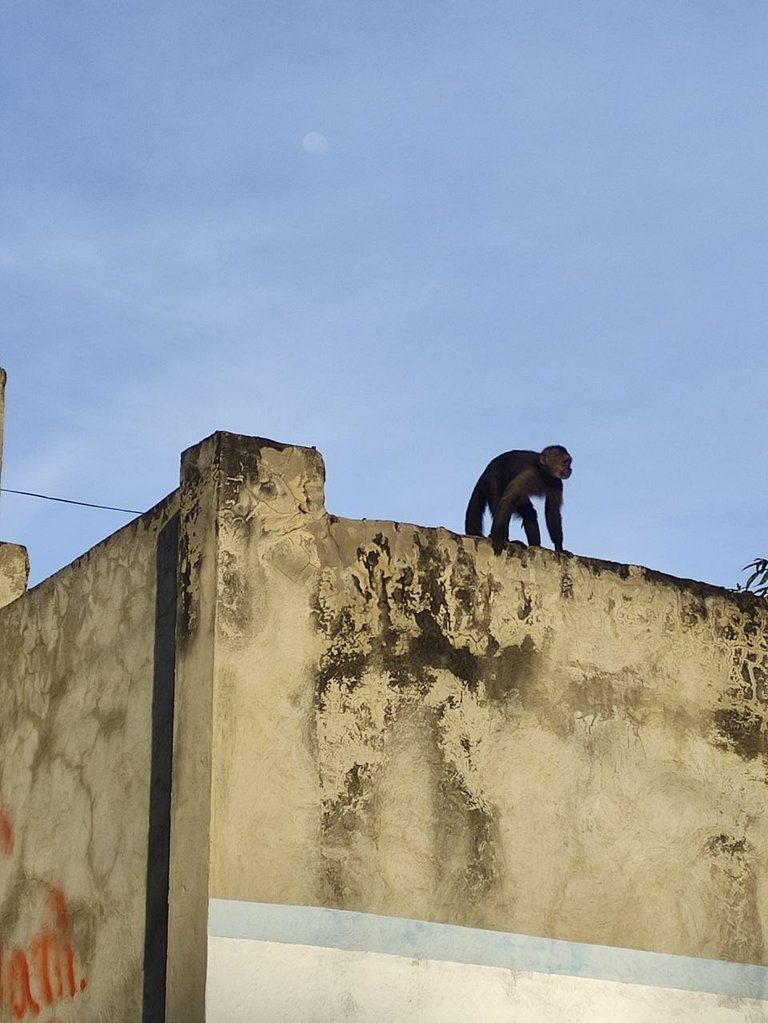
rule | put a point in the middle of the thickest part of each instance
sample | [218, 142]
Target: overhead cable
[66, 500]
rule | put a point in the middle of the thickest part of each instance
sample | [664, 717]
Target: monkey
[506, 487]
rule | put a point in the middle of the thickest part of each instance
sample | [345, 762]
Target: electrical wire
[65, 500]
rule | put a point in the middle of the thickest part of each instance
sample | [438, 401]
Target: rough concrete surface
[405, 724]
[14, 572]
[362, 715]
[77, 656]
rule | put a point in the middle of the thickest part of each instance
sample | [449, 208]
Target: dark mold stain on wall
[743, 730]
[463, 836]
[236, 599]
[693, 608]
[732, 861]
[409, 620]
[361, 633]
[411, 659]
[741, 720]
[343, 662]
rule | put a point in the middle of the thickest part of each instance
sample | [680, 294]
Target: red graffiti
[44, 972]
[6, 833]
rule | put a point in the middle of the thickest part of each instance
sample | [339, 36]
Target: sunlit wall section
[439, 779]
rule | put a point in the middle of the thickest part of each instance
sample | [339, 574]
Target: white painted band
[420, 939]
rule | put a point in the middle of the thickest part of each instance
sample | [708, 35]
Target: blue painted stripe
[420, 939]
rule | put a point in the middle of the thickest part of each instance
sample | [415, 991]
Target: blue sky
[534, 222]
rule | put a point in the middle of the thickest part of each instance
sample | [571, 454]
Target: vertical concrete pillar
[192, 738]
[233, 493]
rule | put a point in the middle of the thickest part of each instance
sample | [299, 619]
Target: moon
[315, 142]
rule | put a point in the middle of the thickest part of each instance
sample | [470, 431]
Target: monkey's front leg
[554, 519]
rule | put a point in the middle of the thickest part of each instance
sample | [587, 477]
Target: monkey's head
[556, 461]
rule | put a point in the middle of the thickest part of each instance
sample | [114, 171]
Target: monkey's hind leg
[514, 502]
[527, 513]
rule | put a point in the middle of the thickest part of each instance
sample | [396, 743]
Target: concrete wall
[84, 669]
[533, 785]
[405, 725]
[534, 743]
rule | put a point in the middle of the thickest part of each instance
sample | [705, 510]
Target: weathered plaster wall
[368, 716]
[81, 660]
[14, 572]
[407, 725]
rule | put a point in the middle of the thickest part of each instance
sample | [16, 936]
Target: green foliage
[758, 580]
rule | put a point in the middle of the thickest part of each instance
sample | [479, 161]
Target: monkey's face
[557, 462]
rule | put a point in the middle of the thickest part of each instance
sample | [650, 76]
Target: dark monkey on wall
[506, 488]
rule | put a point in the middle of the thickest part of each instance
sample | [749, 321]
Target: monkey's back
[504, 467]
[492, 483]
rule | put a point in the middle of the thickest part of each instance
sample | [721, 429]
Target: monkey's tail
[473, 521]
